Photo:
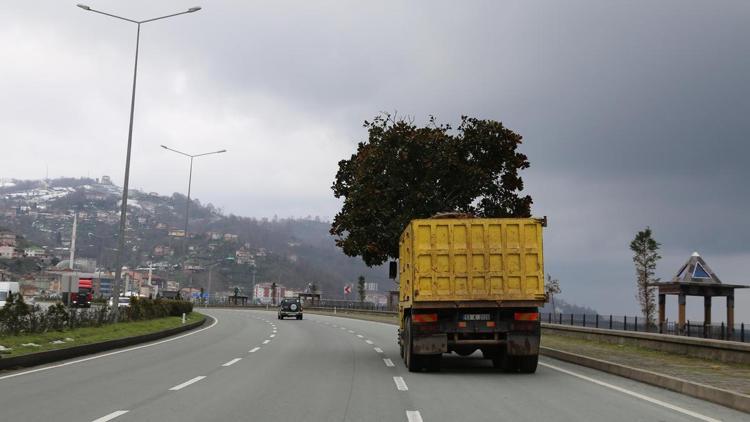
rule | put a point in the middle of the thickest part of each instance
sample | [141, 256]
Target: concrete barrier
[717, 350]
[39, 358]
[720, 396]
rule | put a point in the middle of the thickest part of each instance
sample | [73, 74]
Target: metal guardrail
[634, 323]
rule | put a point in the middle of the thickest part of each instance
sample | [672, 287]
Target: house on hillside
[229, 237]
[10, 252]
[163, 250]
[244, 256]
[176, 233]
[7, 239]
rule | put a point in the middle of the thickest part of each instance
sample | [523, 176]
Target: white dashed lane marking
[413, 416]
[253, 350]
[379, 350]
[400, 383]
[266, 341]
[111, 416]
[388, 363]
[360, 336]
[186, 383]
[272, 335]
[232, 362]
[368, 341]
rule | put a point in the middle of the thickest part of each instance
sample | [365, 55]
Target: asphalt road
[250, 366]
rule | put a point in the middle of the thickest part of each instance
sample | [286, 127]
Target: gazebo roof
[696, 270]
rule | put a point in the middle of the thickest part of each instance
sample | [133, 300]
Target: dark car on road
[290, 307]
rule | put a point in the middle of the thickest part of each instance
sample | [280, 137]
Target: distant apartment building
[7, 239]
[10, 252]
[163, 250]
[244, 256]
[214, 235]
[176, 233]
[228, 237]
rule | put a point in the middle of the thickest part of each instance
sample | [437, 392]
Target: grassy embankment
[88, 335]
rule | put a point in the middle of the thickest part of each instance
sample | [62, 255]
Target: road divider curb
[720, 396]
[39, 358]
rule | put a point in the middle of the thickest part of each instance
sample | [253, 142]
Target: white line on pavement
[633, 393]
[272, 335]
[216, 321]
[342, 328]
[368, 341]
[351, 332]
[266, 341]
[360, 336]
[186, 383]
[388, 363]
[413, 416]
[232, 362]
[111, 416]
[379, 350]
[254, 349]
[400, 383]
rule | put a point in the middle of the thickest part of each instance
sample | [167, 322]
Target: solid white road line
[111, 416]
[633, 394]
[379, 350]
[254, 349]
[266, 341]
[18, 374]
[400, 383]
[388, 363]
[368, 341]
[413, 416]
[186, 383]
[232, 362]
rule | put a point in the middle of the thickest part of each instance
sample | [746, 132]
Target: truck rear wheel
[527, 364]
[416, 362]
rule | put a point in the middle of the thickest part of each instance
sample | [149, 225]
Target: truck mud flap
[430, 345]
[523, 344]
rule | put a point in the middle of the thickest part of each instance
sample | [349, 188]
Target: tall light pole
[187, 204]
[124, 205]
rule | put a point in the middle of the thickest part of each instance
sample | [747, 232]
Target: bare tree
[551, 288]
[645, 255]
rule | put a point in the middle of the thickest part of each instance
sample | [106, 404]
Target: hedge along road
[250, 366]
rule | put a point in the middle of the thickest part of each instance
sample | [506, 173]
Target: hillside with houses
[36, 226]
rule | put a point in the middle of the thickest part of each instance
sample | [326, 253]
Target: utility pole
[73, 241]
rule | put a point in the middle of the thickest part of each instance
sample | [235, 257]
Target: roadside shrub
[17, 317]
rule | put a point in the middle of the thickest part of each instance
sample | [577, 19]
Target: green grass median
[31, 343]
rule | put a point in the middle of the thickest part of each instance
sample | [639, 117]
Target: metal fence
[634, 323]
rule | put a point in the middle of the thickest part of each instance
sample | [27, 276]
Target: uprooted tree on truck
[402, 172]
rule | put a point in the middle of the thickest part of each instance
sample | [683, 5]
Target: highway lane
[250, 366]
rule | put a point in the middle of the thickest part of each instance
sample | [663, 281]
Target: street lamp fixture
[190, 182]
[124, 202]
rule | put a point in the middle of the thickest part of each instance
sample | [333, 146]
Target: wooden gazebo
[696, 278]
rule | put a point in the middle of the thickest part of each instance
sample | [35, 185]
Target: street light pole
[187, 204]
[124, 204]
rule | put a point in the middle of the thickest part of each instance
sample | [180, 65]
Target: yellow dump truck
[469, 284]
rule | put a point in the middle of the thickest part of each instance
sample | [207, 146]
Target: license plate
[476, 317]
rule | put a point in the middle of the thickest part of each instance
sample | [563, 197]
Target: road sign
[347, 289]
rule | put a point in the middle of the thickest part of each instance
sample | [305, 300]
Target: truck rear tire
[527, 364]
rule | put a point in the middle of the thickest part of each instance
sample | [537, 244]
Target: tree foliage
[403, 172]
[552, 288]
[645, 255]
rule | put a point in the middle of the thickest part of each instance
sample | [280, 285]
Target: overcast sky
[633, 113]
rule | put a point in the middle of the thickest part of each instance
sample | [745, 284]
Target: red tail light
[461, 324]
[490, 324]
[422, 318]
[526, 316]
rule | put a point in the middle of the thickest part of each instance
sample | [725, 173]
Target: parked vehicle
[469, 284]
[122, 301]
[6, 288]
[290, 307]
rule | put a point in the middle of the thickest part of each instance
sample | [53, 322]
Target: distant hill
[292, 252]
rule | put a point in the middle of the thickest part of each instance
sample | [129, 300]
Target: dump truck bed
[471, 260]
